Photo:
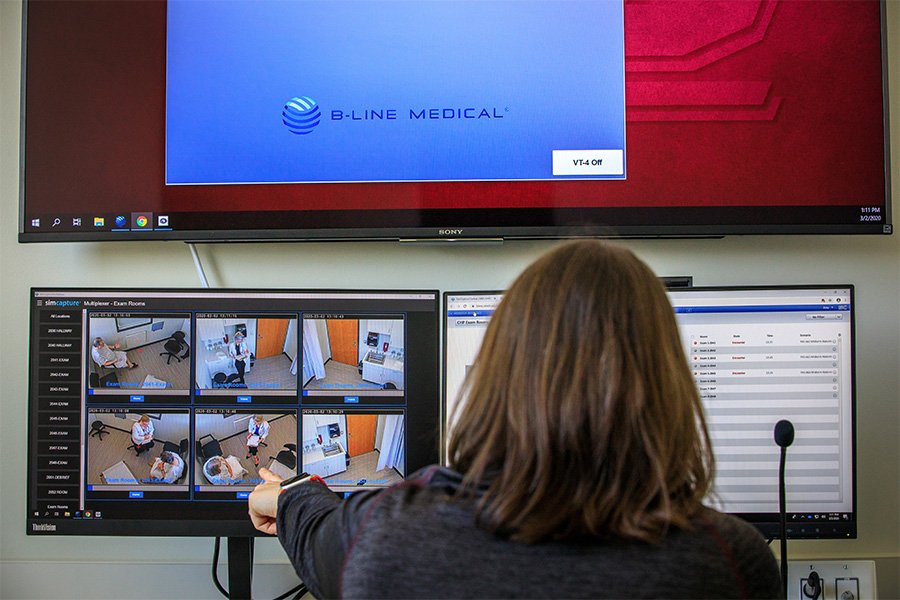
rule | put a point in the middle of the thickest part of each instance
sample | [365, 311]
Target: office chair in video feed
[206, 450]
[287, 457]
[109, 380]
[175, 347]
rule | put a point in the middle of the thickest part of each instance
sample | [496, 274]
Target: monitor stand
[240, 567]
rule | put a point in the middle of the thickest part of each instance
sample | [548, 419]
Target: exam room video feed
[146, 352]
[354, 450]
[246, 354]
[231, 446]
[137, 451]
[351, 355]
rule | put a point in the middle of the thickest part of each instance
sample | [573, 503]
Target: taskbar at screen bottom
[808, 526]
[225, 514]
[690, 221]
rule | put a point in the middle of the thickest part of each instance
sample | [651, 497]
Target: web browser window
[758, 355]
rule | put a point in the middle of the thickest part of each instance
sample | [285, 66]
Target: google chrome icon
[142, 221]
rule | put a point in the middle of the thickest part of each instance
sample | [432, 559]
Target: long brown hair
[580, 416]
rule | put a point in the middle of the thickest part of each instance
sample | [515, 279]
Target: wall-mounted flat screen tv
[394, 119]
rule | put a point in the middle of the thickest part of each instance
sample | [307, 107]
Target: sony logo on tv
[450, 231]
[43, 527]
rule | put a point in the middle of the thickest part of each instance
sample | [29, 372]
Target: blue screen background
[553, 70]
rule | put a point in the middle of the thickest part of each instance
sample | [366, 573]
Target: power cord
[198, 264]
[299, 590]
[215, 568]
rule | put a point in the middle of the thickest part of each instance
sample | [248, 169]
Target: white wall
[311, 424]
[107, 567]
[391, 327]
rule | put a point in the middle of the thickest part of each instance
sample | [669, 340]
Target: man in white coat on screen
[240, 352]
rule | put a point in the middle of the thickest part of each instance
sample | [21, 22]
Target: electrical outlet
[840, 579]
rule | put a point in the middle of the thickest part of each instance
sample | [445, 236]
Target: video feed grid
[354, 449]
[61, 424]
[243, 357]
[231, 446]
[354, 358]
[133, 355]
[136, 455]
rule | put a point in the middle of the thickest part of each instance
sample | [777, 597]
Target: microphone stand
[784, 437]
[782, 509]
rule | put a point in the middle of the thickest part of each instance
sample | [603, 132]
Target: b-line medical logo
[301, 115]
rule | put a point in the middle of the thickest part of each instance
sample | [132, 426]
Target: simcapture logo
[301, 114]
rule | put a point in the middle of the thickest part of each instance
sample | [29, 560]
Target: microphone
[784, 433]
[784, 437]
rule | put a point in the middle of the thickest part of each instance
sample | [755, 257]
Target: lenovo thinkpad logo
[450, 231]
[42, 527]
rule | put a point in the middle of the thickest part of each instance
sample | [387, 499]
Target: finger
[269, 476]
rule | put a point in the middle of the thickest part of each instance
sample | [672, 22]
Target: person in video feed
[224, 471]
[257, 432]
[240, 353]
[578, 461]
[110, 356]
[142, 434]
[167, 468]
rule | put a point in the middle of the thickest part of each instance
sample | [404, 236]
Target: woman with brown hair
[577, 465]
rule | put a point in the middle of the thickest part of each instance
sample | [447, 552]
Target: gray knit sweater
[415, 540]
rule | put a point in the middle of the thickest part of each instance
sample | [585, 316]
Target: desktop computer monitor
[152, 411]
[758, 355]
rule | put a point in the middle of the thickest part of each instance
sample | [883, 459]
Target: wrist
[298, 480]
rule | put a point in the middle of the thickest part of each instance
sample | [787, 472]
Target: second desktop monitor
[162, 406]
